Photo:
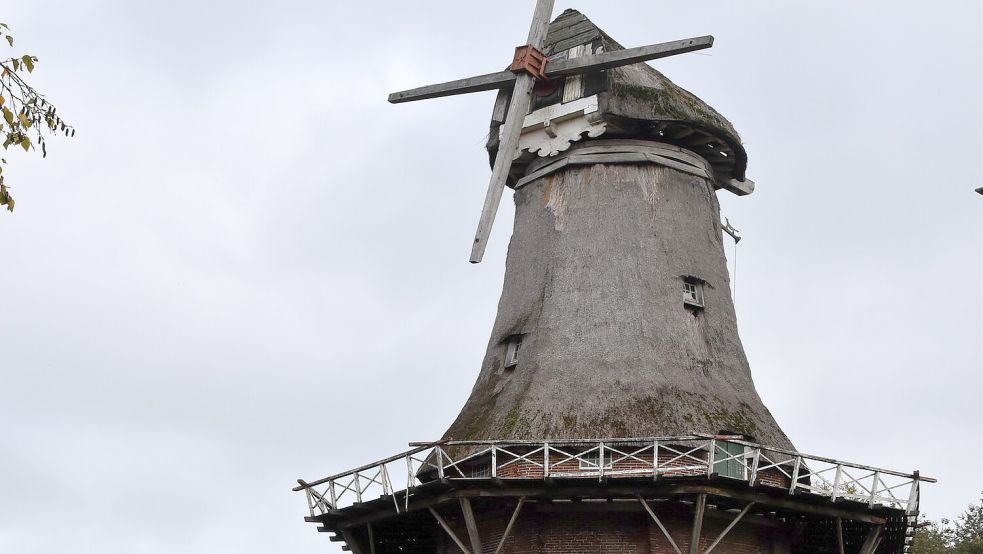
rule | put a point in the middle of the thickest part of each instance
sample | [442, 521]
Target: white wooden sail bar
[688, 456]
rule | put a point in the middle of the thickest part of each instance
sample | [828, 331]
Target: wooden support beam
[489, 81]
[351, 542]
[694, 542]
[839, 535]
[659, 524]
[471, 524]
[368, 527]
[729, 527]
[508, 528]
[873, 540]
[447, 528]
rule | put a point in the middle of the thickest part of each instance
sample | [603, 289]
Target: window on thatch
[693, 292]
[512, 351]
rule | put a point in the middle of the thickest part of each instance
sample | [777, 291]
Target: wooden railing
[654, 458]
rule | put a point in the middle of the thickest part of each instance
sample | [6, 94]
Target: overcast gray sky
[247, 267]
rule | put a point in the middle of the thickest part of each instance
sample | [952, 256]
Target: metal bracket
[530, 60]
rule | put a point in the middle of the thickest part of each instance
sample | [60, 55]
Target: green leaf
[25, 143]
[28, 63]
[10, 39]
[24, 120]
[8, 116]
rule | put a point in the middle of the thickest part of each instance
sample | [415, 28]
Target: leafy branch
[27, 114]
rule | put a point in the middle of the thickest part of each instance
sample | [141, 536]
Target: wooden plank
[659, 524]
[501, 106]
[443, 524]
[508, 528]
[563, 68]
[489, 81]
[470, 523]
[694, 542]
[511, 130]
[368, 526]
[729, 527]
[839, 535]
[628, 56]
[873, 539]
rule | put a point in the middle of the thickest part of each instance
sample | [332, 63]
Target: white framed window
[481, 471]
[693, 292]
[590, 461]
[512, 351]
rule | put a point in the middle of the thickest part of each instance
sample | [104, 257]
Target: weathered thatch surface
[594, 284]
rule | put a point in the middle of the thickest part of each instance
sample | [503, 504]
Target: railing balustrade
[653, 458]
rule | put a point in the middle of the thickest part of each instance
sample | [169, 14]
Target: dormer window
[512, 351]
[693, 292]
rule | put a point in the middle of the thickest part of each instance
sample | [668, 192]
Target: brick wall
[579, 529]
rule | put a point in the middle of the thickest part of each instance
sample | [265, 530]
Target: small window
[591, 460]
[693, 292]
[481, 471]
[512, 351]
[729, 460]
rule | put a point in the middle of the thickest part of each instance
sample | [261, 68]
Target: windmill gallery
[614, 410]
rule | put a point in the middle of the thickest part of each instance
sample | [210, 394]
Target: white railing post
[600, 461]
[334, 498]
[836, 483]
[440, 463]
[310, 501]
[494, 460]
[546, 460]
[912, 507]
[795, 475]
[358, 489]
[410, 478]
[655, 460]
[873, 489]
[754, 467]
[385, 481]
[713, 447]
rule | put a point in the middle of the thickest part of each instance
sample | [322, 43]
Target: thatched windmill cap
[639, 102]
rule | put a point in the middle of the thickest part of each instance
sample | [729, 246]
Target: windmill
[528, 65]
[614, 410]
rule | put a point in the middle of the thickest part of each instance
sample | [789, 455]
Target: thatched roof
[640, 102]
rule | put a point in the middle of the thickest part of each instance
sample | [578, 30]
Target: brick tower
[614, 410]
